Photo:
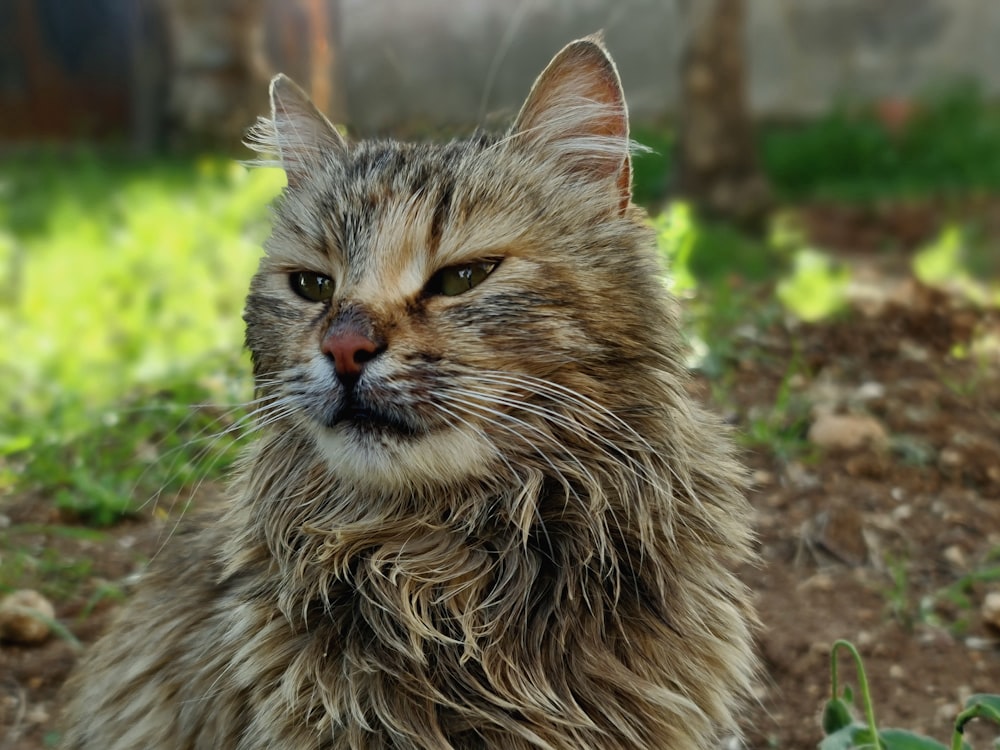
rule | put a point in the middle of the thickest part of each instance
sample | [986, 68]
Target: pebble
[902, 512]
[948, 711]
[955, 556]
[798, 476]
[870, 390]
[23, 617]
[951, 458]
[847, 432]
[991, 609]
[975, 643]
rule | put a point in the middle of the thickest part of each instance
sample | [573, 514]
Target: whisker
[557, 472]
[580, 429]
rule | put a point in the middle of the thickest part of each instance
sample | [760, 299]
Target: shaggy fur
[514, 530]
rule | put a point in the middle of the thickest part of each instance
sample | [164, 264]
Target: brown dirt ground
[867, 544]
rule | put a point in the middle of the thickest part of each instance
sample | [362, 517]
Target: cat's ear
[576, 112]
[297, 132]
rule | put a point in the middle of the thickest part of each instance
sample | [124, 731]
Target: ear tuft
[576, 113]
[297, 132]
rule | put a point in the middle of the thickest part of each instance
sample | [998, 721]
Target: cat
[481, 511]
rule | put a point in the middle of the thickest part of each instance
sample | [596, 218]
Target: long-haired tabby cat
[481, 511]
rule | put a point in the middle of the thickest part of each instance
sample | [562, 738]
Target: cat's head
[432, 313]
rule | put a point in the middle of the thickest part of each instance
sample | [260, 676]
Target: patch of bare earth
[885, 539]
[889, 542]
[85, 575]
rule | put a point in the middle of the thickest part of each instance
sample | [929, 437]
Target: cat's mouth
[370, 419]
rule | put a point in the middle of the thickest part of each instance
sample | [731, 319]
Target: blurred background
[151, 71]
[824, 180]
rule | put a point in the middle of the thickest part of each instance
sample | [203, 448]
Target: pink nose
[350, 351]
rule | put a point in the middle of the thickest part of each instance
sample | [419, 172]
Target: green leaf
[843, 738]
[978, 706]
[11, 444]
[836, 716]
[898, 739]
[989, 704]
[817, 286]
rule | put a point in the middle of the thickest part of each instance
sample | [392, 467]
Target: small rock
[38, 714]
[24, 617]
[870, 390]
[762, 478]
[897, 672]
[902, 512]
[847, 432]
[948, 711]
[955, 556]
[975, 643]
[991, 609]
[911, 350]
[818, 582]
[951, 458]
[798, 476]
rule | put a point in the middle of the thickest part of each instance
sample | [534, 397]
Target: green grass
[950, 146]
[123, 284]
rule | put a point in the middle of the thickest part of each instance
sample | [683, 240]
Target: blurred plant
[130, 280]
[949, 141]
[957, 599]
[782, 426]
[843, 732]
[676, 236]
[951, 261]
[817, 286]
[651, 166]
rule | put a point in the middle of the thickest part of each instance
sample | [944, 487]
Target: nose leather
[351, 342]
[350, 351]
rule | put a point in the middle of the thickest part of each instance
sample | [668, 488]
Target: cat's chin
[391, 462]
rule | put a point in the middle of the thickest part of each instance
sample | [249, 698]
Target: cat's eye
[454, 280]
[314, 287]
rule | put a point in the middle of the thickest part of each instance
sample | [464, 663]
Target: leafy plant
[958, 597]
[843, 732]
[125, 286]
[950, 143]
[816, 288]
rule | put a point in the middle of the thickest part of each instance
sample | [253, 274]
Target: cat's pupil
[314, 287]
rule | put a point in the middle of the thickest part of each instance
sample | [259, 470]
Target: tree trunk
[325, 79]
[718, 169]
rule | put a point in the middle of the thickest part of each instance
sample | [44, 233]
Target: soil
[892, 544]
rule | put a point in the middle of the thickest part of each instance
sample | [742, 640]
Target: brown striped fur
[529, 547]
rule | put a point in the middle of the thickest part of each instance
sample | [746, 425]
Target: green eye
[457, 279]
[314, 287]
